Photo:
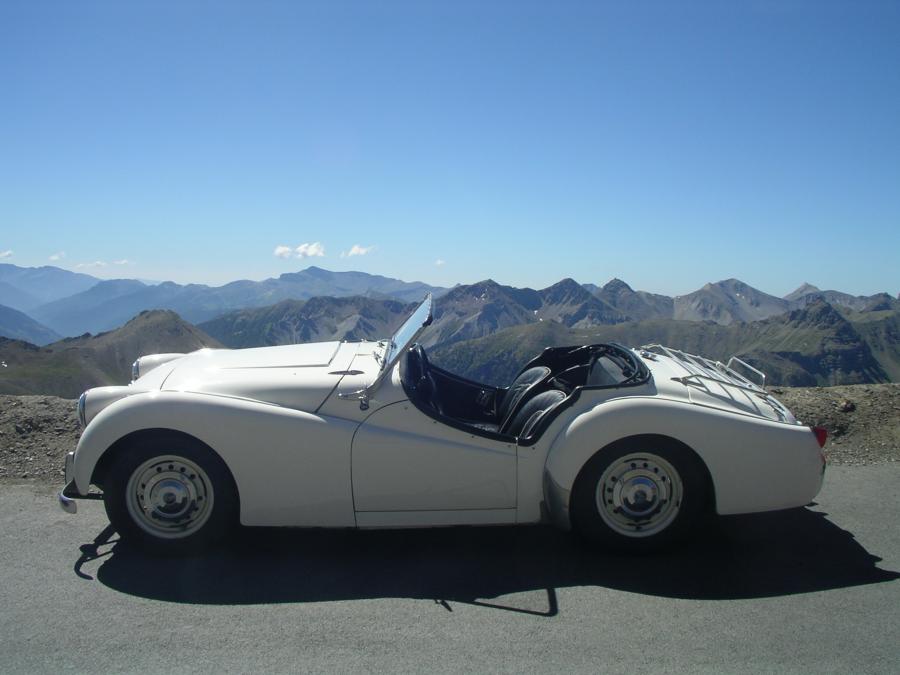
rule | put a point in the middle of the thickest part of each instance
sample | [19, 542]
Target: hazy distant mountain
[68, 367]
[728, 301]
[637, 305]
[19, 326]
[314, 320]
[24, 288]
[113, 303]
[814, 345]
[90, 310]
[316, 282]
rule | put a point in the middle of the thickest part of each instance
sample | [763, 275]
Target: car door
[405, 462]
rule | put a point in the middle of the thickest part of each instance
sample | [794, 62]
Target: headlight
[81, 403]
[135, 370]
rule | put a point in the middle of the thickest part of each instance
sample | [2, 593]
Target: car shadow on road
[763, 555]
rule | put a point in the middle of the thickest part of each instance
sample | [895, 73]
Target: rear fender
[754, 464]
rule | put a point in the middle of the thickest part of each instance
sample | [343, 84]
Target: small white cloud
[5, 254]
[440, 263]
[58, 256]
[123, 261]
[314, 250]
[90, 265]
[357, 250]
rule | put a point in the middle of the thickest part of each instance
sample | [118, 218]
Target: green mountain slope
[68, 367]
[315, 320]
[812, 346]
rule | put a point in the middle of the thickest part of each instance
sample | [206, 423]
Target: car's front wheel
[639, 494]
[170, 494]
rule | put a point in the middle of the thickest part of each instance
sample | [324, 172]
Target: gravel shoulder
[863, 423]
[36, 432]
[863, 420]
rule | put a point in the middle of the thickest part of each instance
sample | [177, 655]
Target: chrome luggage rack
[700, 368]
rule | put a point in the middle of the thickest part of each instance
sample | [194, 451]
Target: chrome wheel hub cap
[169, 496]
[639, 495]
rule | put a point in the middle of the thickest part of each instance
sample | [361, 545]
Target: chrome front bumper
[67, 504]
[65, 496]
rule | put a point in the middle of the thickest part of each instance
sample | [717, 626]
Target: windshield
[408, 332]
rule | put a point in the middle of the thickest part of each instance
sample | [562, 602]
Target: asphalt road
[812, 590]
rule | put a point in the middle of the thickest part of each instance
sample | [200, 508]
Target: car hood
[294, 376]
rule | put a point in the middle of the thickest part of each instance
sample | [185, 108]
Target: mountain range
[69, 304]
[816, 345]
[484, 330]
[93, 306]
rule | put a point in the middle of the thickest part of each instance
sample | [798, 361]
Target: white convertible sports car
[631, 447]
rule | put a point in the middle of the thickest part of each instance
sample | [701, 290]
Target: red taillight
[821, 435]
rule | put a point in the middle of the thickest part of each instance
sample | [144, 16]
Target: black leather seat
[527, 419]
[518, 391]
[525, 382]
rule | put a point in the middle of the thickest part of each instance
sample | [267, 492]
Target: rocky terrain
[863, 423]
[863, 420]
[36, 432]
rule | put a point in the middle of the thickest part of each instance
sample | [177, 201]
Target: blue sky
[668, 144]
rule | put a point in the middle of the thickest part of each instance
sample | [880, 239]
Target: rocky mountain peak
[565, 291]
[615, 286]
[804, 289]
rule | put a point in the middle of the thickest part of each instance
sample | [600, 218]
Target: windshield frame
[406, 335]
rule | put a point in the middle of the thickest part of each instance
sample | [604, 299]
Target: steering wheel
[414, 369]
[422, 379]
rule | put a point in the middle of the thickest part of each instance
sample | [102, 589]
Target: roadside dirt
[863, 423]
[36, 432]
[863, 420]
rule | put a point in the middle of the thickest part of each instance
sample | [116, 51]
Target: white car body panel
[755, 465]
[404, 460]
[295, 376]
[268, 448]
[313, 438]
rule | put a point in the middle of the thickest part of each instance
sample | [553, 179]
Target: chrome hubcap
[639, 495]
[169, 496]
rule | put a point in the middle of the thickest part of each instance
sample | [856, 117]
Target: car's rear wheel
[170, 494]
[639, 494]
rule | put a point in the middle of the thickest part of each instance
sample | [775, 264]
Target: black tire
[640, 494]
[190, 496]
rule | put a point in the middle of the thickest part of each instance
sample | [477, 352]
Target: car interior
[525, 407]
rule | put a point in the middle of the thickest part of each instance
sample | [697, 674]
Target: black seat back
[525, 421]
[517, 390]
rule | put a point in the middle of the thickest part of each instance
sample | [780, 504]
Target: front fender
[755, 464]
[290, 467]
